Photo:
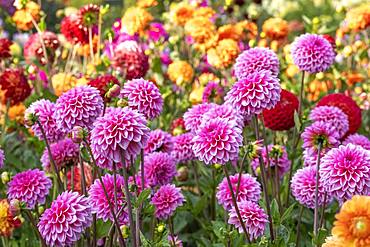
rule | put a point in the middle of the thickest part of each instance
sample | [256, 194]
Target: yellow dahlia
[206, 77]
[206, 12]
[250, 28]
[334, 241]
[180, 72]
[7, 221]
[195, 97]
[146, 3]
[63, 82]
[229, 31]
[136, 20]
[224, 54]
[203, 31]
[180, 13]
[275, 28]
[358, 18]
[23, 17]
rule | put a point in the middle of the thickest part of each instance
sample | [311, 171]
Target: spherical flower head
[5, 48]
[217, 142]
[253, 216]
[181, 13]
[254, 93]
[345, 171]
[275, 28]
[312, 53]
[121, 131]
[44, 111]
[281, 116]
[213, 91]
[303, 186]
[66, 220]
[224, 54]
[348, 106]
[14, 84]
[166, 200]
[2, 158]
[193, 116]
[256, 60]
[201, 31]
[226, 112]
[65, 153]
[249, 190]
[183, 148]
[33, 47]
[160, 168]
[24, 16]
[333, 116]
[159, 141]
[77, 178]
[135, 20]
[353, 222]
[180, 72]
[99, 203]
[8, 221]
[358, 139]
[73, 30]
[103, 83]
[144, 97]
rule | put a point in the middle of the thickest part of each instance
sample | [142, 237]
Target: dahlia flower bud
[125, 231]
[5, 177]
[15, 207]
[161, 227]
[30, 119]
[122, 103]
[182, 174]
[78, 134]
[113, 91]
[41, 209]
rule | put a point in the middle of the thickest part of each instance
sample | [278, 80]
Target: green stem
[316, 211]
[33, 222]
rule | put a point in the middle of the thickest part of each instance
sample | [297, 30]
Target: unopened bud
[78, 134]
[5, 178]
[30, 119]
[122, 103]
[15, 206]
[41, 209]
[113, 91]
[125, 231]
[160, 228]
[217, 166]
[182, 174]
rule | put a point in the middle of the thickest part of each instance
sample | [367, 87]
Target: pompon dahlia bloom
[159, 141]
[24, 16]
[249, 190]
[223, 54]
[303, 186]
[31, 187]
[15, 86]
[79, 106]
[5, 48]
[359, 140]
[64, 152]
[157, 32]
[256, 60]
[217, 142]
[77, 178]
[253, 216]
[277, 156]
[33, 47]
[103, 83]
[73, 30]
[144, 97]
[275, 28]
[254, 93]
[281, 116]
[180, 72]
[183, 148]
[8, 221]
[99, 203]
[202, 31]
[333, 116]
[348, 106]
[2, 158]
[130, 59]
[345, 171]
[181, 12]
[44, 110]
[352, 222]
[135, 20]
[226, 112]
[166, 200]
[160, 168]
[65, 221]
[212, 91]
[193, 116]
[312, 53]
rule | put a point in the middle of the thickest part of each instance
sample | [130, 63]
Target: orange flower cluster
[8, 222]
[24, 16]
[136, 20]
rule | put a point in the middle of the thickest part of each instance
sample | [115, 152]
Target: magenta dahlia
[333, 116]
[65, 221]
[358, 139]
[345, 171]
[193, 116]
[226, 112]
[160, 168]
[217, 141]
[183, 147]
[2, 158]
[303, 186]
[254, 93]
[144, 97]
[256, 60]
[253, 216]
[249, 190]
[166, 200]
[44, 110]
[79, 106]
[309, 157]
[121, 131]
[99, 203]
[31, 187]
[312, 53]
[159, 141]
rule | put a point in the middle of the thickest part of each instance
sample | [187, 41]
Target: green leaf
[199, 205]
[319, 239]
[102, 228]
[275, 211]
[297, 122]
[143, 196]
[306, 20]
[287, 213]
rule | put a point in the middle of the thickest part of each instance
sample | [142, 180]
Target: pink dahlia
[217, 141]
[254, 93]
[2, 158]
[278, 156]
[309, 157]
[312, 53]
[65, 153]
[159, 141]
[249, 190]
[358, 139]
[193, 116]
[256, 60]
[44, 110]
[79, 106]
[303, 186]
[99, 203]
[144, 97]
[333, 116]
[212, 91]
[183, 147]
[345, 171]
[166, 200]
[33, 47]
[174, 240]
[253, 216]
[31, 187]
[160, 168]
[65, 221]
[121, 131]
[226, 112]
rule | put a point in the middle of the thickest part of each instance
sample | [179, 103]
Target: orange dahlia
[203, 31]
[146, 3]
[333, 241]
[136, 20]
[230, 31]
[275, 28]
[8, 222]
[180, 13]
[180, 72]
[224, 54]
[250, 28]
[23, 17]
[206, 12]
[358, 18]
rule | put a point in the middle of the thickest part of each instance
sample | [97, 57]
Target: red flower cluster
[15, 86]
[5, 48]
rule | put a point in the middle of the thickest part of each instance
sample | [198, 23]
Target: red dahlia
[5, 48]
[330, 39]
[33, 47]
[15, 86]
[348, 106]
[73, 29]
[89, 14]
[103, 83]
[281, 117]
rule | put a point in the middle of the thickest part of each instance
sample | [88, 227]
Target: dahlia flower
[226, 112]
[33, 47]
[159, 141]
[8, 221]
[89, 15]
[193, 116]
[66, 220]
[358, 139]
[249, 190]
[160, 168]
[14, 85]
[180, 72]
[24, 16]
[31, 187]
[5, 48]
[135, 20]
[275, 28]
[166, 200]
[224, 54]
[183, 148]
[144, 97]
[73, 30]
[156, 32]
[181, 13]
